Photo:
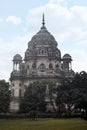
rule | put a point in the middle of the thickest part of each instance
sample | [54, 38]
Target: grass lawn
[44, 124]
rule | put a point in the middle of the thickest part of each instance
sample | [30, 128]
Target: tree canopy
[73, 93]
[80, 83]
[4, 96]
[70, 95]
[34, 98]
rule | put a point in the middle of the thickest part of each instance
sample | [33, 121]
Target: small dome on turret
[67, 56]
[17, 57]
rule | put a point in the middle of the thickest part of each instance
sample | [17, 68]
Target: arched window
[27, 66]
[42, 67]
[34, 66]
[20, 84]
[50, 66]
[57, 66]
[12, 84]
[50, 52]
[42, 51]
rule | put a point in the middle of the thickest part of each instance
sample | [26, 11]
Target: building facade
[42, 60]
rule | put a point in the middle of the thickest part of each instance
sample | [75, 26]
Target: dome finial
[43, 21]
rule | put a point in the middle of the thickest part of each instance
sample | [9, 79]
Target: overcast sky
[66, 20]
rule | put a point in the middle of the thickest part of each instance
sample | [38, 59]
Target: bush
[33, 115]
[13, 116]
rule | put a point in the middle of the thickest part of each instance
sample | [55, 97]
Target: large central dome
[43, 37]
[42, 44]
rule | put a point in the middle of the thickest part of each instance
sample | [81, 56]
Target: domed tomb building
[42, 61]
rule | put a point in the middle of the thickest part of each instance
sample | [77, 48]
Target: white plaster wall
[16, 86]
[14, 106]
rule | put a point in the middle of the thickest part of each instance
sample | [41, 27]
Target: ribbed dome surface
[43, 37]
[42, 44]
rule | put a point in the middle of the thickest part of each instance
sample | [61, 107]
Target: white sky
[66, 20]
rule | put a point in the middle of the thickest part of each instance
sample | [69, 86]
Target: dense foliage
[72, 93]
[34, 98]
[80, 83]
[4, 96]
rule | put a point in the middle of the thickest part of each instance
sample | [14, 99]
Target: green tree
[66, 96]
[34, 98]
[73, 93]
[4, 96]
[80, 83]
[52, 92]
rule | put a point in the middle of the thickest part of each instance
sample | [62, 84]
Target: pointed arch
[42, 67]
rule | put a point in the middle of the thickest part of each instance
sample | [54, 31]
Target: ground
[43, 124]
